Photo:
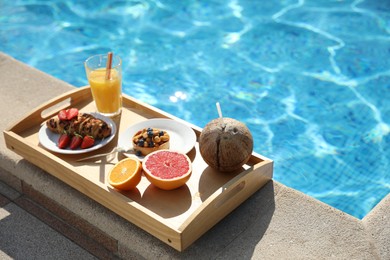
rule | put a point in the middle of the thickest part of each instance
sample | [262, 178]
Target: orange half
[126, 174]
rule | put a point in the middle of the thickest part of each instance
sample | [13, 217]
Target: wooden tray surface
[177, 217]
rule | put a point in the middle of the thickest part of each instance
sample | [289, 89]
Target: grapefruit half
[167, 169]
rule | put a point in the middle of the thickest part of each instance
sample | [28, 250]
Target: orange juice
[106, 93]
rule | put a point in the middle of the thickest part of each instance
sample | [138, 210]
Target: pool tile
[25, 236]
[3, 201]
[65, 229]
[8, 191]
[71, 219]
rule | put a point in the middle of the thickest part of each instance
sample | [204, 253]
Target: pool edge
[276, 222]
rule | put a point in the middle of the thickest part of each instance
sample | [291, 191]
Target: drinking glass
[106, 84]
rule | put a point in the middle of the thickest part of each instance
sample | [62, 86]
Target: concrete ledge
[377, 223]
[275, 223]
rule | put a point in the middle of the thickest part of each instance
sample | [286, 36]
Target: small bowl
[154, 139]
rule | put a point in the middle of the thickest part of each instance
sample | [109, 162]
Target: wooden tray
[177, 217]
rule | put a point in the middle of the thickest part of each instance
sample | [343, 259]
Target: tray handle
[50, 108]
[243, 185]
[224, 200]
[230, 194]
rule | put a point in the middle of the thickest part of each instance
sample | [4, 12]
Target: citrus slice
[126, 174]
[167, 169]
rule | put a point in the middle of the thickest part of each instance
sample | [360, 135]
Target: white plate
[49, 139]
[182, 137]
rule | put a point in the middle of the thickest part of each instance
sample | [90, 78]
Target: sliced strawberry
[71, 113]
[63, 115]
[88, 141]
[76, 141]
[63, 141]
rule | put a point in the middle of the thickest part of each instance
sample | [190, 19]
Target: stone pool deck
[41, 217]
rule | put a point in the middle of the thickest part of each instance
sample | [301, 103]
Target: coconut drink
[225, 144]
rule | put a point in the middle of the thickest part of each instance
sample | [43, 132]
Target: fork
[117, 149]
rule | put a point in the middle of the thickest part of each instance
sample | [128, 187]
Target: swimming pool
[309, 78]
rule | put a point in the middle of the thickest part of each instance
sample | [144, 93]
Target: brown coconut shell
[226, 144]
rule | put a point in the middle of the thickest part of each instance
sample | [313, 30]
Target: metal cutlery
[115, 150]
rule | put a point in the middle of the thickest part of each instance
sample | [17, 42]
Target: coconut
[225, 144]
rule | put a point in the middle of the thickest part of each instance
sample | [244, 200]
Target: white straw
[219, 110]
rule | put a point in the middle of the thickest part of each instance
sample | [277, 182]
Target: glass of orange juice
[106, 86]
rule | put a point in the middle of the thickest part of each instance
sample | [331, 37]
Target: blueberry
[151, 144]
[150, 134]
[141, 142]
[138, 153]
[161, 133]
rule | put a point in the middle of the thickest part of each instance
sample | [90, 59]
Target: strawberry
[63, 141]
[68, 114]
[76, 141]
[88, 141]
[62, 115]
[71, 113]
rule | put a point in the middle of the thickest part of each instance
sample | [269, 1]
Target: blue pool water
[311, 79]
